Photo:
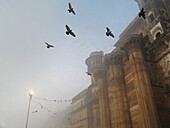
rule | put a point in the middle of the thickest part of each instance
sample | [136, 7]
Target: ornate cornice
[131, 41]
[113, 58]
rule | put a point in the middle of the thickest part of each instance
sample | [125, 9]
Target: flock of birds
[108, 31]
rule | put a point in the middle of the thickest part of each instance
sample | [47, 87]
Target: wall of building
[131, 85]
[78, 103]
[80, 110]
[79, 119]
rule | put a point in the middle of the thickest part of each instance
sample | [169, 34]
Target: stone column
[100, 77]
[118, 102]
[148, 112]
[96, 115]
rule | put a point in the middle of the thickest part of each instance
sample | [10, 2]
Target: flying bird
[133, 57]
[88, 73]
[109, 33]
[35, 111]
[49, 45]
[71, 9]
[142, 13]
[69, 31]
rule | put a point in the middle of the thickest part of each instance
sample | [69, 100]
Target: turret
[94, 63]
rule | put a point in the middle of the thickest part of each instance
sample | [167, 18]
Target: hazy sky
[57, 73]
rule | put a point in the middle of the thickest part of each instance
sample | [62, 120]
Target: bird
[133, 57]
[69, 31]
[88, 73]
[71, 9]
[35, 111]
[142, 13]
[49, 45]
[109, 33]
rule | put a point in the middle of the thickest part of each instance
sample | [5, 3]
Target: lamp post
[30, 94]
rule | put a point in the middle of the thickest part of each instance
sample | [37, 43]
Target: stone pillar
[103, 97]
[148, 112]
[118, 102]
[96, 115]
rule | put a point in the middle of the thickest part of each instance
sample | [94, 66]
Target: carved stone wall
[118, 103]
[103, 98]
[133, 80]
[148, 116]
[131, 85]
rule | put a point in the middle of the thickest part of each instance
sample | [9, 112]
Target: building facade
[130, 87]
[79, 114]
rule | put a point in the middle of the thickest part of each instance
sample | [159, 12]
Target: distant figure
[88, 73]
[109, 33]
[142, 13]
[49, 45]
[71, 9]
[69, 31]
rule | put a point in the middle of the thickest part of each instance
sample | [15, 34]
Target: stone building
[93, 106]
[85, 108]
[130, 87]
[80, 110]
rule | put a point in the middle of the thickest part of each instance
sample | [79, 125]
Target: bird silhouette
[142, 13]
[133, 57]
[35, 111]
[109, 33]
[88, 73]
[69, 31]
[71, 9]
[49, 45]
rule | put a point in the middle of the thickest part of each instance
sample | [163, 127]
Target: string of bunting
[50, 100]
[46, 108]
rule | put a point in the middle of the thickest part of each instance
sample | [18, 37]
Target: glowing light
[31, 93]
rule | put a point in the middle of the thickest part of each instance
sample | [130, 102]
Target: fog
[56, 73]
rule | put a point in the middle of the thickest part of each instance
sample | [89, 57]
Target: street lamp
[30, 94]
